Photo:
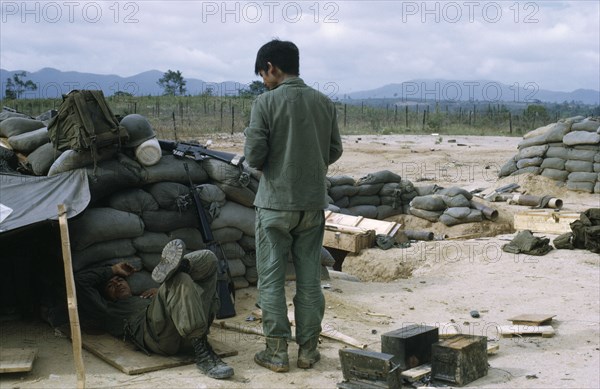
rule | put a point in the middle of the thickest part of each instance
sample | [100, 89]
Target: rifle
[198, 152]
[225, 287]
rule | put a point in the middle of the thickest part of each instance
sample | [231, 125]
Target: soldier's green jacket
[293, 137]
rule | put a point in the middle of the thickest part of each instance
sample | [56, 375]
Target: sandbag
[171, 169]
[97, 225]
[363, 200]
[426, 190]
[341, 180]
[532, 152]
[166, 221]
[391, 201]
[249, 259]
[581, 138]
[391, 189]
[326, 257]
[102, 251]
[527, 162]
[529, 169]
[458, 212]
[428, 203]
[236, 215]
[40, 160]
[586, 125]
[557, 133]
[240, 282]
[385, 211]
[533, 141]
[557, 152]
[432, 216]
[456, 201]
[112, 176]
[455, 191]
[339, 191]
[508, 168]
[382, 176]
[581, 154]
[150, 260]
[29, 141]
[596, 167]
[192, 237]
[251, 275]
[230, 251]
[171, 196]
[579, 166]
[343, 202]
[539, 131]
[553, 163]
[141, 281]
[4, 114]
[368, 211]
[19, 125]
[223, 172]
[227, 234]
[369, 189]
[71, 159]
[239, 194]
[585, 177]
[151, 242]
[133, 200]
[247, 242]
[580, 186]
[555, 174]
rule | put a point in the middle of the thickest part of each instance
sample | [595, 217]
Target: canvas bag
[85, 122]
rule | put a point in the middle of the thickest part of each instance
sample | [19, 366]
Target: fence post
[232, 118]
[510, 122]
[345, 118]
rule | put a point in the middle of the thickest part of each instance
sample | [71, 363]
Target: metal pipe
[488, 212]
[419, 235]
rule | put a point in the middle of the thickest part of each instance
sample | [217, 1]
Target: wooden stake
[71, 296]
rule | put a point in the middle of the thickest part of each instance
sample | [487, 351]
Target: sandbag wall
[567, 151]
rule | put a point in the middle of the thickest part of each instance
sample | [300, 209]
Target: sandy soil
[429, 282]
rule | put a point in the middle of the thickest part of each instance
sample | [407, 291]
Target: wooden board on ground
[17, 360]
[545, 221]
[516, 330]
[125, 357]
[532, 319]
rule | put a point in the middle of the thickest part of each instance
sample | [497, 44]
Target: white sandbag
[528, 162]
[581, 138]
[587, 124]
[532, 152]
[71, 159]
[29, 141]
[19, 125]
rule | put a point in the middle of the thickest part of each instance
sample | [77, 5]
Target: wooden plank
[416, 373]
[545, 221]
[532, 319]
[125, 357]
[17, 360]
[71, 296]
[512, 330]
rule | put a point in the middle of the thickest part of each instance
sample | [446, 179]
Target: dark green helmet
[138, 128]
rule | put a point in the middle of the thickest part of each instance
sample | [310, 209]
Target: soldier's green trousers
[184, 306]
[280, 234]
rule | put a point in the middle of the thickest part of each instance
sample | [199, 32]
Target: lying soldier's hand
[123, 269]
[149, 293]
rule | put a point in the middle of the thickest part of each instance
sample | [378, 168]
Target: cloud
[355, 44]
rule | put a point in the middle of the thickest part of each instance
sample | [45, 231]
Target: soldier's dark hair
[283, 54]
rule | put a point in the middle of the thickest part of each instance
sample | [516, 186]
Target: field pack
[85, 122]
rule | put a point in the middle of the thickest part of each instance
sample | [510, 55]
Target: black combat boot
[208, 362]
[275, 356]
[308, 354]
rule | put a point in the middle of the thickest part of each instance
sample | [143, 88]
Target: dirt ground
[430, 282]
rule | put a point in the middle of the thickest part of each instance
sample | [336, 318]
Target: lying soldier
[165, 320]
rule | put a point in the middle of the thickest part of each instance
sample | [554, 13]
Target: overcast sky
[348, 45]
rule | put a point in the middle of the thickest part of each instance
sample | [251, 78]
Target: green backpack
[85, 122]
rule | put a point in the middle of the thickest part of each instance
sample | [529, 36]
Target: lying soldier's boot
[308, 354]
[275, 356]
[169, 261]
[208, 362]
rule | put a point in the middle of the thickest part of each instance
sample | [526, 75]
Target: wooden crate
[460, 359]
[545, 221]
[354, 233]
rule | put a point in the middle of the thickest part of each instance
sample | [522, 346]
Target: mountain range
[52, 83]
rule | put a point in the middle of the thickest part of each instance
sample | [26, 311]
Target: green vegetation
[195, 117]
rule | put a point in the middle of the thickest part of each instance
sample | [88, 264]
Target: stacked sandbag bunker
[139, 202]
[567, 151]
